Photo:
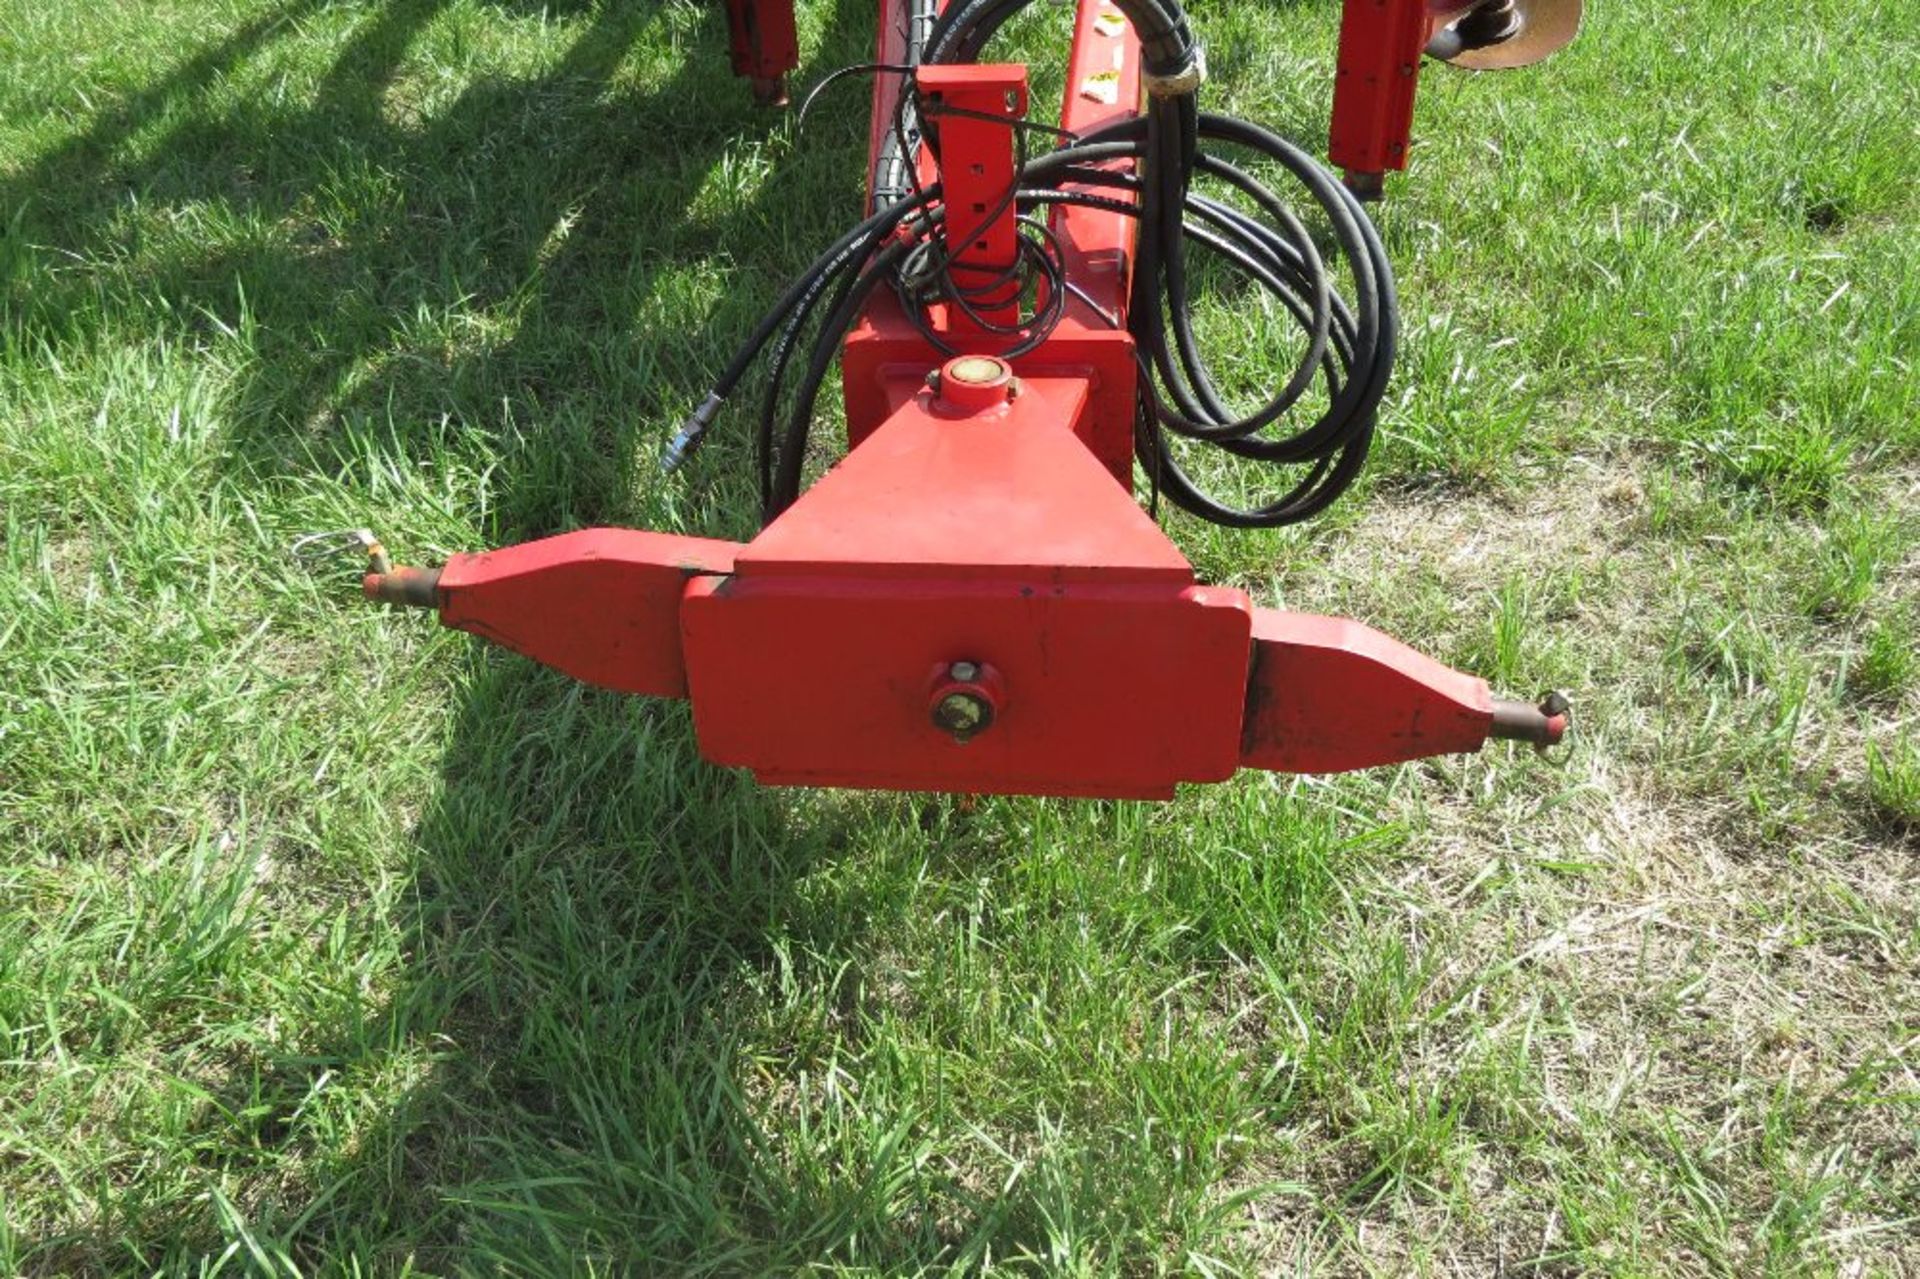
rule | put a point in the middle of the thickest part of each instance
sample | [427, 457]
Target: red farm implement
[973, 599]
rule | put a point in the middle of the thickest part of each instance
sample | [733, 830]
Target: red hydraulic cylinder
[1378, 69]
[764, 45]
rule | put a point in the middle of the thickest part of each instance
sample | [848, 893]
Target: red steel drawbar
[973, 600]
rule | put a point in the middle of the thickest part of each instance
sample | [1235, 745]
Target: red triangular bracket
[1010, 492]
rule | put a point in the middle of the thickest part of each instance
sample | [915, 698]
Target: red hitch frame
[972, 600]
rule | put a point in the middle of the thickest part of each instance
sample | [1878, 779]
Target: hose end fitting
[687, 442]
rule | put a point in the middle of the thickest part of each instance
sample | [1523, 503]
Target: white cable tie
[1181, 82]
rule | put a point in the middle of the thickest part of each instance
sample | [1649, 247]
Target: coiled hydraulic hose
[1349, 340]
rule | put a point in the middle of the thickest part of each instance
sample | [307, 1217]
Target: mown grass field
[331, 942]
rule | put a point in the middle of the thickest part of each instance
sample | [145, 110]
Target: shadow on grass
[522, 257]
[594, 920]
[597, 920]
[592, 903]
[600, 919]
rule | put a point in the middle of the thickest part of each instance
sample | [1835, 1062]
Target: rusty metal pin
[1543, 724]
[409, 587]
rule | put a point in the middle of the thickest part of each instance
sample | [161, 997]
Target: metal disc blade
[1546, 27]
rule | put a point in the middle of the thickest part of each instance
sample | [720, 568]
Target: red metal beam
[1103, 87]
[601, 605]
[968, 602]
[891, 47]
[1327, 695]
[977, 107]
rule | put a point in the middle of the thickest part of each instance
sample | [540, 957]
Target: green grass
[331, 942]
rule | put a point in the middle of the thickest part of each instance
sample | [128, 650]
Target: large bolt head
[962, 713]
[978, 370]
[975, 383]
[964, 698]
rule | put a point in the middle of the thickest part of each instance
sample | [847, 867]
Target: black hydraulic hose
[848, 275]
[1266, 269]
[871, 231]
[825, 348]
[1350, 334]
[1350, 347]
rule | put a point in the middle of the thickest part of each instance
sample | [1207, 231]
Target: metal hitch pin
[1543, 725]
[311, 548]
[412, 587]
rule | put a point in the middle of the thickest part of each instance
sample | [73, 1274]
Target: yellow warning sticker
[1102, 86]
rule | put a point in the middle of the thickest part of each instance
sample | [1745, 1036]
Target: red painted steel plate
[1108, 691]
[974, 181]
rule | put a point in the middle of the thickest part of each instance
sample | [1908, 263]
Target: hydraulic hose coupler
[691, 433]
